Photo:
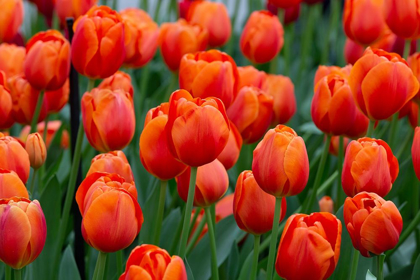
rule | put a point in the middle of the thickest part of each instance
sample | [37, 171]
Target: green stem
[379, 266]
[35, 117]
[255, 260]
[214, 268]
[144, 4]
[340, 171]
[307, 37]
[157, 9]
[91, 85]
[406, 233]
[196, 235]
[160, 210]
[273, 242]
[114, 4]
[100, 266]
[393, 130]
[371, 127]
[8, 272]
[18, 274]
[354, 264]
[33, 182]
[230, 45]
[405, 144]
[287, 48]
[194, 219]
[120, 261]
[172, 85]
[187, 214]
[334, 16]
[407, 45]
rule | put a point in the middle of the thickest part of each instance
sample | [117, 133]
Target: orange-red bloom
[251, 77]
[318, 235]
[11, 59]
[11, 185]
[210, 73]
[369, 165]
[197, 129]
[144, 33]
[326, 204]
[284, 4]
[6, 103]
[230, 154]
[11, 17]
[211, 184]
[324, 71]
[414, 63]
[98, 46]
[415, 152]
[112, 217]
[179, 38]
[280, 164]
[151, 262]
[360, 126]
[57, 99]
[251, 112]
[253, 208]
[262, 37]
[72, 8]
[108, 119]
[335, 143]
[120, 80]
[403, 17]
[112, 162]
[373, 223]
[14, 157]
[382, 83]
[53, 127]
[23, 231]
[36, 149]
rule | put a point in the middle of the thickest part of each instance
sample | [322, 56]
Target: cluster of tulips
[198, 137]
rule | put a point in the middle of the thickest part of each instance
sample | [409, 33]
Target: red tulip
[403, 17]
[112, 162]
[230, 154]
[415, 152]
[11, 185]
[11, 18]
[6, 104]
[14, 157]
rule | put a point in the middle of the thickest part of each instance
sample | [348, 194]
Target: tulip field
[209, 139]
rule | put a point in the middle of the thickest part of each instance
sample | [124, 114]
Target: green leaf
[403, 273]
[233, 262]
[68, 267]
[370, 276]
[190, 275]
[169, 226]
[149, 212]
[416, 270]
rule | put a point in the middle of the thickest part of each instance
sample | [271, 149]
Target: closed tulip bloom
[369, 165]
[318, 235]
[210, 74]
[112, 217]
[230, 154]
[410, 110]
[360, 126]
[415, 152]
[6, 104]
[11, 18]
[57, 99]
[112, 162]
[53, 127]
[179, 38]
[324, 71]
[326, 204]
[120, 80]
[11, 185]
[11, 59]
[334, 144]
[262, 37]
[251, 77]
[251, 112]
[46, 8]
[211, 184]
[403, 17]
[284, 4]
[414, 63]
[72, 8]
[373, 223]
[214, 17]
[382, 83]
[253, 208]
[98, 45]
[206, 118]
[23, 231]
[291, 14]
[151, 262]
[280, 164]
[108, 119]
[144, 33]
[14, 157]
[36, 149]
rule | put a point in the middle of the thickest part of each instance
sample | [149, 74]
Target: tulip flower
[280, 165]
[151, 262]
[211, 184]
[415, 152]
[357, 28]
[46, 8]
[6, 104]
[57, 99]
[53, 127]
[11, 185]
[230, 154]
[211, 73]
[251, 112]
[262, 37]
[23, 231]
[324, 71]
[334, 144]
[98, 45]
[414, 63]
[382, 83]
[312, 2]
[112, 162]
[179, 38]
[411, 109]
[319, 236]
[11, 18]
[206, 118]
[373, 223]
[403, 17]
[251, 77]
[112, 217]
[120, 80]
[369, 165]
[14, 157]
[360, 126]
[291, 14]
[11, 59]
[36, 149]
[108, 119]
[326, 204]
[144, 34]
[214, 17]
[72, 8]
[284, 4]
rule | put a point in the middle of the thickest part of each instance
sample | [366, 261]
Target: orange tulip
[334, 145]
[211, 184]
[154, 151]
[284, 4]
[14, 157]
[319, 236]
[36, 149]
[251, 112]
[253, 208]
[11, 185]
[324, 71]
[112, 162]
[151, 262]
[120, 80]
[415, 152]
[23, 231]
[382, 83]
[282, 90]
[280, 164]
[144, 34]
[214, 17]
[72, 8]
[411, 109]
[53, 127]
[326, 204]
[356, 26]
[251, 77]
[360, 126]
[98, 46]
[373, 223]
[108, 119]
[369, 165]
[230, 154]
[403, 17]
[262, 37]
[6, 104]
[112, 217]
[11, 17]
[208, 121]
[414, 63]
[57, 99]
[179, 38]
[11, 59]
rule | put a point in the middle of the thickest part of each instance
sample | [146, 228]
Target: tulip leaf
[149, 212]
[68, 267]
[190, 275]
[416, 270]
[169, 226]
[370, 276]
[233, 262]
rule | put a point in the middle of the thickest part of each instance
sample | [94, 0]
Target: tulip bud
[6, 104]
[253, 208]
[11, 19]
[11, 185]
[319, 236]
[14, 157]
[120, 80]
[403, 17]
[415, 152]
[72, 8]
[23, 231]
[112, 162]
[251, 77]
[36, 149]
[284, 4]
[326, 204]
[112, 217]
[53, 127]
[281, 165]
[373, 223]
[152, 262]
[230, 154]
[11, 59]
